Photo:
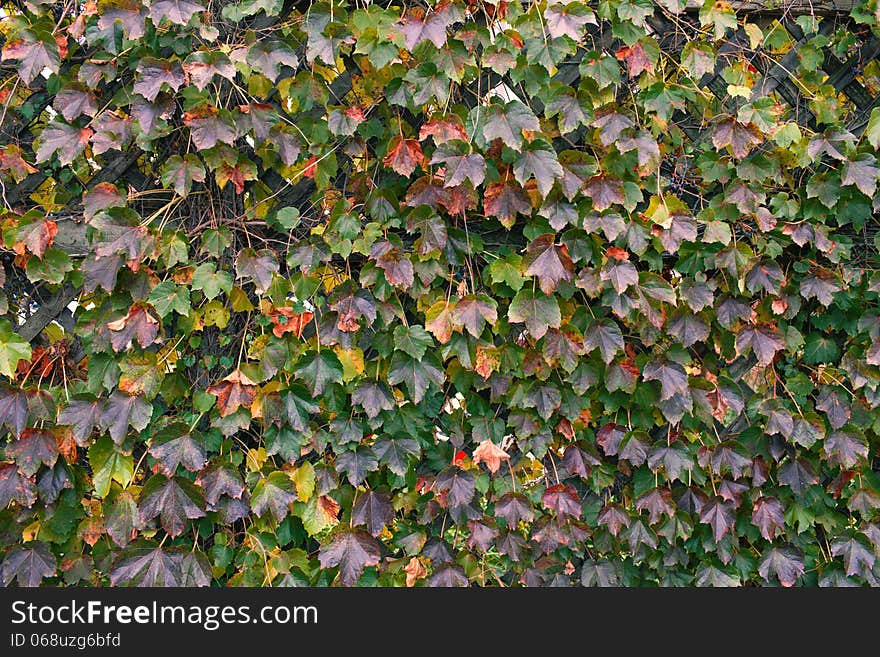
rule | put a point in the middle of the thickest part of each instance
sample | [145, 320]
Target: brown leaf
[235, 391]
[636, 59]
[91, 530]
[329, 507]
[489, 453]
[66, 444]
[415, 570]
[504, 201]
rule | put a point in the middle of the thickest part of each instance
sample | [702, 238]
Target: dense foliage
[488, 293]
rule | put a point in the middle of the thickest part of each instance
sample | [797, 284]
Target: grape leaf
[786, 563]
[66, 140]
[457, 486]
[606, 335]
[857, 559]
[180, 171]
[258, 266]
[120, 411]
[34, 448]
[234, 391]
[175, 445]
[13, 409]
[549, 262]
[507, 122]
[473, 312]
[538, 160]
[563, 500]
[109, 464]
[174, 500]
[538, 312]
[147, 565]
[28, 564]
[15, 487]
[121, 519]
[357, 464]
[763, 340]
[373, 510]
[138, 324]
[34, 52]
[403, 156]
[672, 377]
[504, 201]
[273, 494]
[318, 370]
[352, 551]
[220, 479]
[396, 452]
[490, 454]
[178, 12]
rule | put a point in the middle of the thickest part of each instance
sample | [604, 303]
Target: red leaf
[404, 155]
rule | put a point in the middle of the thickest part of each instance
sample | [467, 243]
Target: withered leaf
[234, 391]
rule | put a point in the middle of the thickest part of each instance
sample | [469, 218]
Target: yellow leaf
[737, 90]
[331, 277]
[239, 300]
[756, 37]
[215, 314]
[256, 346]
[168, 356]
[30, 532]
[53, 332]
[256, 458]
[304, 478]
[352, 362]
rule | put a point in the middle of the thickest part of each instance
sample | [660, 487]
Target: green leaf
[819, 348]
[413, 340]
[168, 296]
[109, 464]
[12, 349]
[179, 172]
[211, 282]
[318, 370]
[537, 311]
[273, 495]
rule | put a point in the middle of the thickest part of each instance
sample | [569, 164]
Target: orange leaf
[489, 453]
[66, 444]
[311, 167]
[617, 253]
[286, 320]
